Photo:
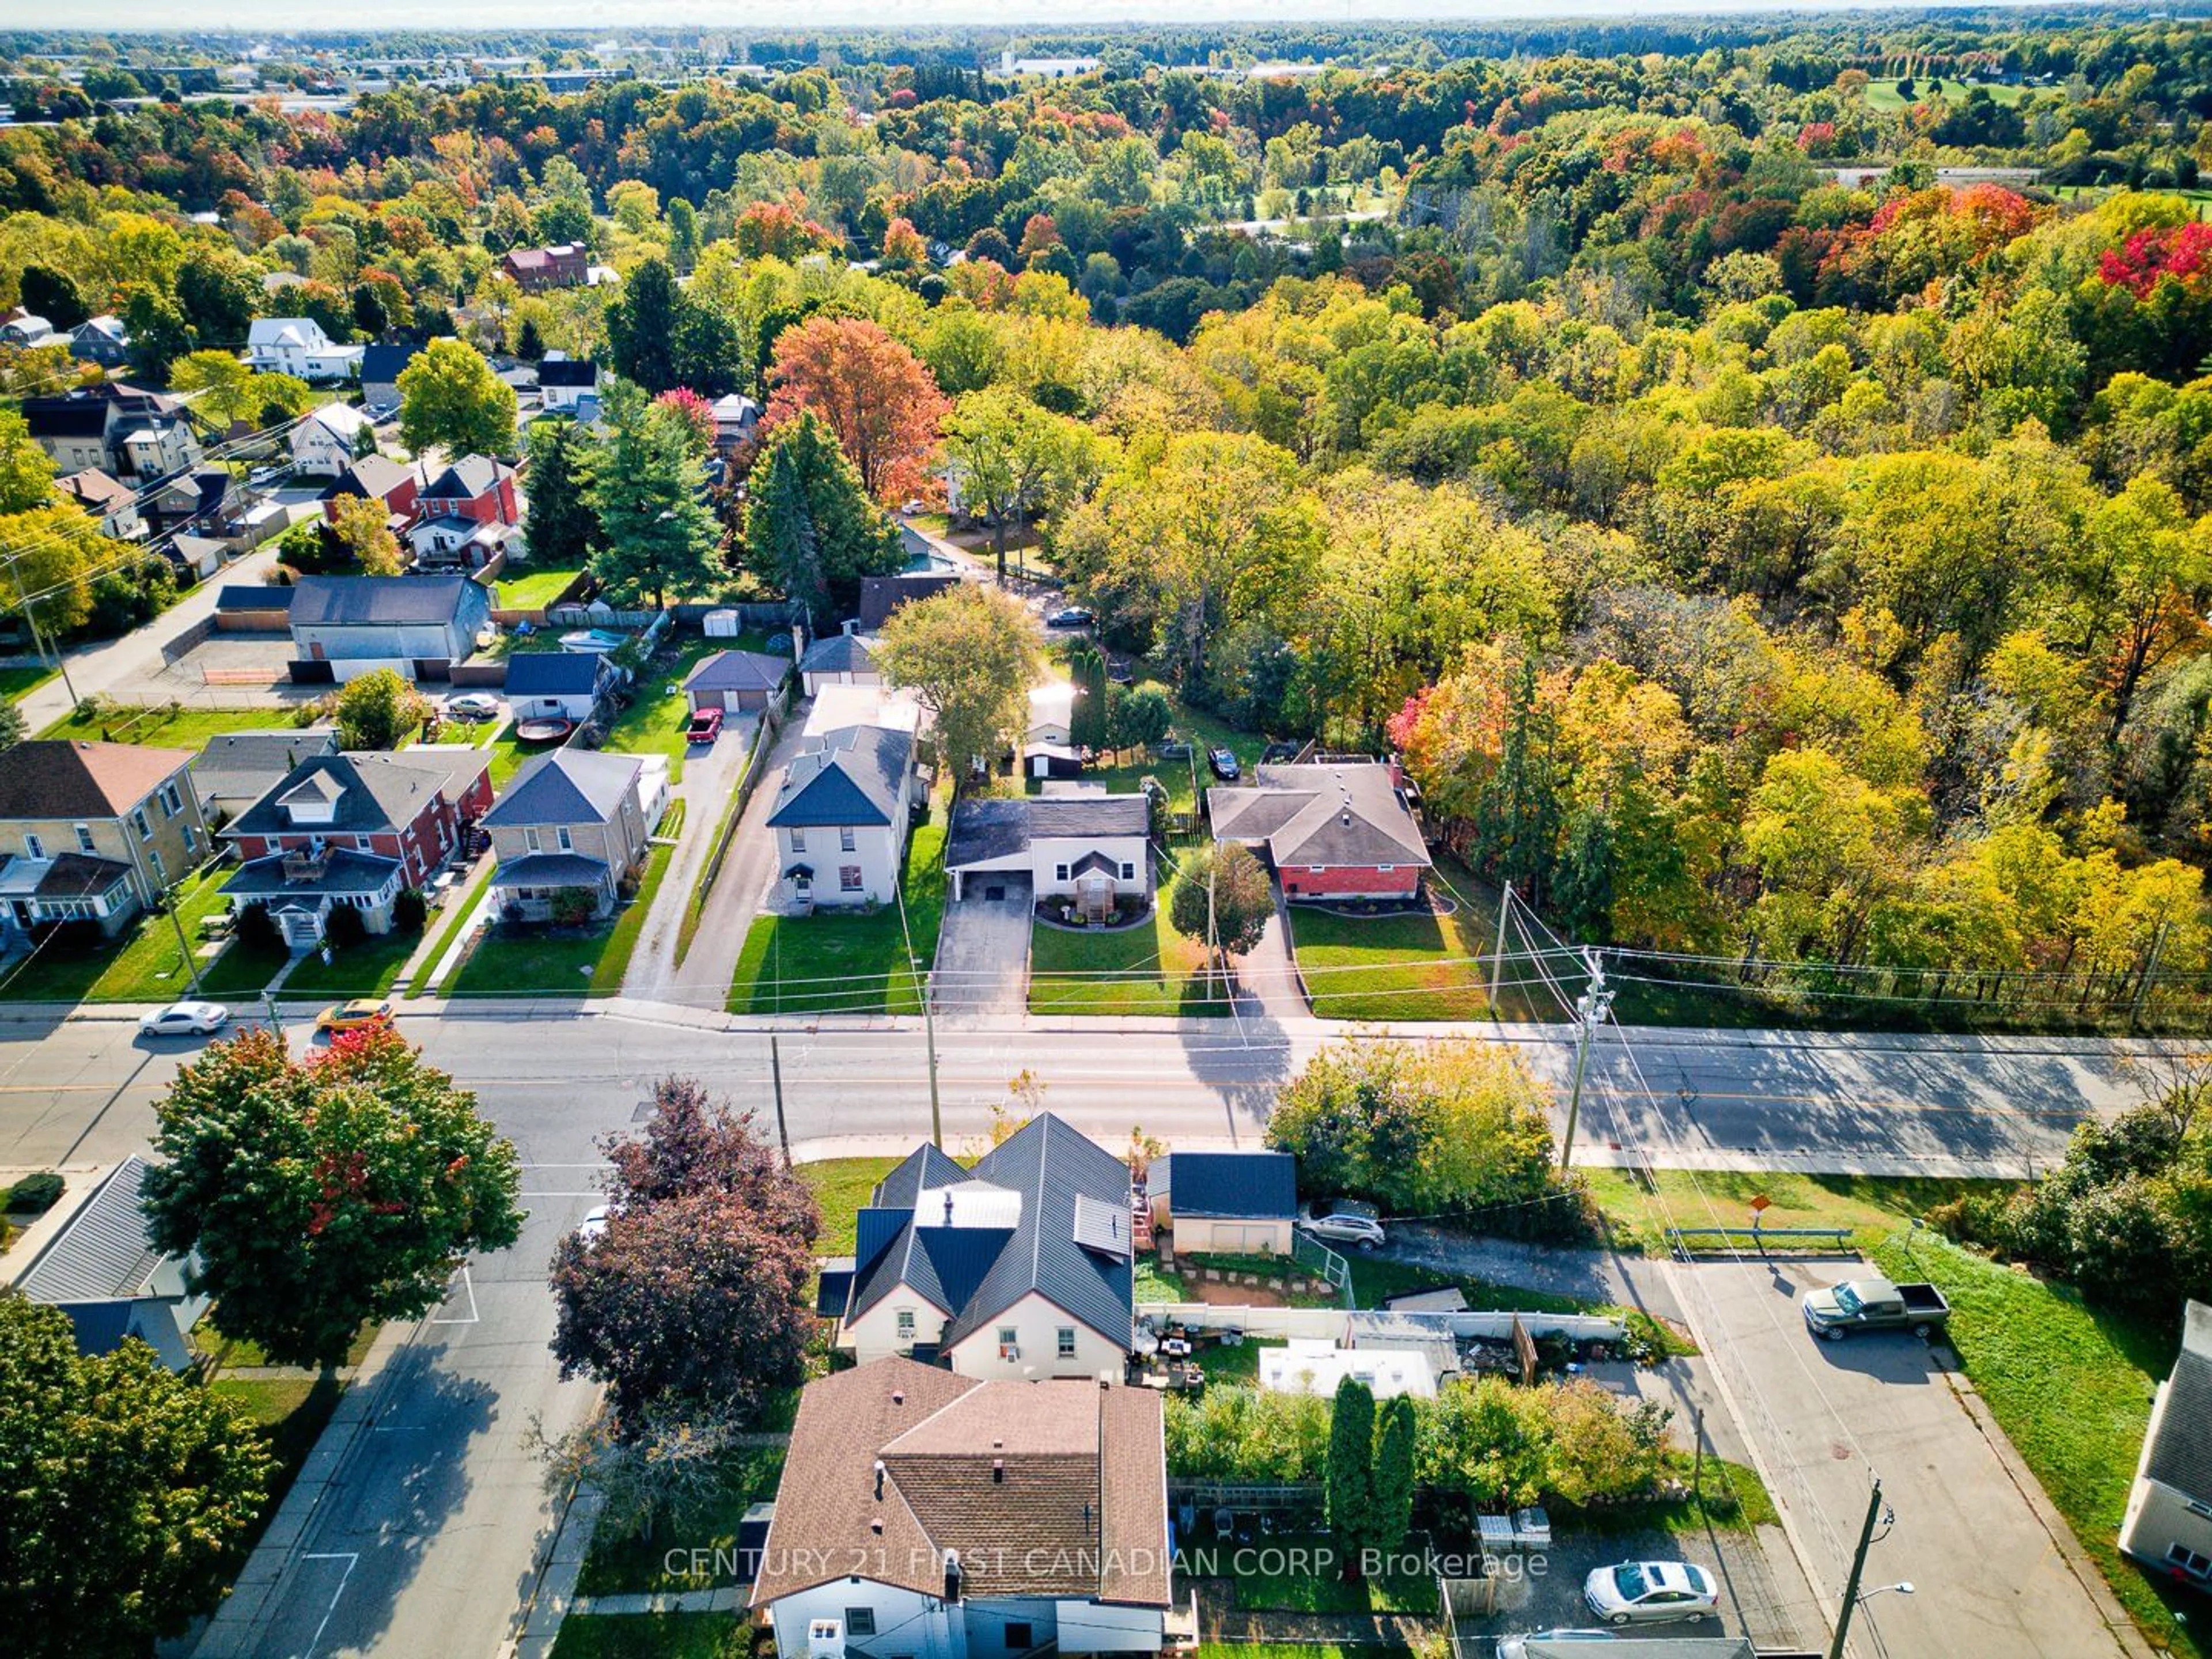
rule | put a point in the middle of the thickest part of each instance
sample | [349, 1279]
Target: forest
[1756, 477]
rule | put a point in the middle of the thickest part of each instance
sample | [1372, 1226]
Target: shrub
[410, 910]
[35, 1195]
[343, 926]
[79, 938]
[257, 929]
[573, 906]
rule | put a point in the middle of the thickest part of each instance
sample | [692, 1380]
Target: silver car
[1517, 1647]
[1651, 1592]
[1347, 1222]
[186, 1020]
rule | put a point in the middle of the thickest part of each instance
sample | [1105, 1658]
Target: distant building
[380, 368]
[20, 328]
[297, 346]
[380, 479]
[101, 340]
[562, 382]
[1048, 69]
[535, 269]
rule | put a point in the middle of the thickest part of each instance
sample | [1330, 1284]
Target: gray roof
[387, 600]
[2179, 1455]
[836, 653]
[102, 1253]
[974, 1272]
[374, 791]
[246, 765]
[985, 830]
[268, 596]
[569, 786]
[1330, 812]
[567, 372]
[857, 776]
[1251, 1186]
[347, 872]
[738, 671]
[549, 674]
[468, 478]
[881, 595]
[376, 475]
[550, 870]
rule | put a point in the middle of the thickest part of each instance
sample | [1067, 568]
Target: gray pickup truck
[1874, 1304]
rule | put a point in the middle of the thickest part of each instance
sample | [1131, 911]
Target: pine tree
[1350, 1473]
[809, 527]
[1087, 668]
[1393, 1474]
[656, 531]
[562, 525]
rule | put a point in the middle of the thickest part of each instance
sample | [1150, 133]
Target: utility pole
[775, 1076]
[1590, 1013]
[2149, 973]
[1698, 1470]
[929, 1036]
[275, 1019]
[1858, 1566]
[1498, 957]
[39, 634]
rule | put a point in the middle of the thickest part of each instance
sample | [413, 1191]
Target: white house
[1052, 713]
[1018, 1267]
[2169, 1523]
[568, 686]
[297, 346]
[1089, 847]
[328, 441]
[104, 1272]
[840, 816]
[564, 382]
[938, 1516]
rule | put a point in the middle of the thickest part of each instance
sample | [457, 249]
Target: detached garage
[1233, 1203]
[736, 681]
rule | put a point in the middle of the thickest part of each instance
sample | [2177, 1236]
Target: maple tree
[876, 395]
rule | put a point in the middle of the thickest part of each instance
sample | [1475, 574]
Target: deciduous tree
[359, 524]
[876, 395]
[377, 710]
[1222, 891]
[1014, 459]
[970, 651]
[449, 397]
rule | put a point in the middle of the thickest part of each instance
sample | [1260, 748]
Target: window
[848, 878]
[2204, 1510]
[530, 839]
[33, 847]
[1128, 871]
[906, 1325]
[138, 819]
[84, 843]
[1386, 869]
[567, 845]
[845, 838]
[192, 839]
[362, 844]
[1059, 873]
[1019, 1638]
[154, 854]
[860, 1621]
[1067, 1341]
[799, 841]
[172, 802]
[2188, 1560]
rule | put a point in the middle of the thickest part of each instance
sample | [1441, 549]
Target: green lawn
[1309, 1578]
[534, 589]
[364, 969]
[2070, 1386]
[292, 1412]
[163, 727]
[511, 961]
[654, 722]
[1414, 967]
[1148, 970]
[639, 1563]
[242, 971]
[1883, 95]
[1874, 1206]
[841, 1186]
[653, 1636]
[1153, 1286]
[19, 682]
[459, 907]
[853, 963]
[151, 967]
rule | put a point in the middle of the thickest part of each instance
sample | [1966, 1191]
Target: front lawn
[16, 683]
[1873, 1205]
[534, 589]
[1385, 967]
[653, 1636]
[242, 970]
[169, 726]
[1148, 970]
[856, 963]
[523, 961]
[291, 1413]
[639, 1563]
[653, 723]
[841, 1186]
[2070, 1386]
[366, 968]
[151, 967]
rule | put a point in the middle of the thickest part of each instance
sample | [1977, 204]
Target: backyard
[168, 726]
[841, 1186]
[653, 723]
[858, 961]
[534, 589]
[1146, 970]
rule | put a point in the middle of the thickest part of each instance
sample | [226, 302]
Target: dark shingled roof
[244, 765]
[569, 371]
[1249, 1186]
[2179, 1455]
[372, 476]
[467, 478]
[881, 595]
[738, 671]
[553, 673]
[347, 872]
[375, 791]
[74, 875]
[1329, 813]
[855, 778]
[551, 870]
[837, 653]
[380, 364]
[569, 786]
[368, 600]
[985, 830]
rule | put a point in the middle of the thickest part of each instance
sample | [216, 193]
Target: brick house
[92, 831]
[1333, 829]
[474, 487]
[532, 269]
[388, 481]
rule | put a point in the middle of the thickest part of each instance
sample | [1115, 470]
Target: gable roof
[102, 1253]
[1250, 1185]
[341, 420]
[567, 371]
[857, 775]
[550, 673]
[837, 653]
[567, 786]
[236, 765]
[375, 476]
[881, 595]
[380, 364]
[1054, 1488]
[360, 601]
[71, 778]
[286, 331]
[984, 829]
[1330, 812]
[374, 791]
[2178, 1454]
[467, 478]
[65, 417]
[97, 489]
[738, 671]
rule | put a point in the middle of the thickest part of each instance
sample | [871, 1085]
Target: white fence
[1334, 1323]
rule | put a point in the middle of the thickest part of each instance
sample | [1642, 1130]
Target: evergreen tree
[648, 490]
[1350, 1473]
[810, 528]
[1393, 1474]
[561, 526]
[641, 327]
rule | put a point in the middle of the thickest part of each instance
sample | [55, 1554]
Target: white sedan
[473, 706]
[1651, 1592]
[186, 1020]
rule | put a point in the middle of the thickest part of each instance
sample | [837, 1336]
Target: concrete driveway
[1995, 1569]
[710, 773]
[984, 948]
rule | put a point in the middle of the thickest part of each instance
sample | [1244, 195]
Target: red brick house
[393, 483]
[475, 487]
[535, 269]
[1333, 829]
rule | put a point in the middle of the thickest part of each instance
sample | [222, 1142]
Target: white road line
[468, 1284]
[350, 1558]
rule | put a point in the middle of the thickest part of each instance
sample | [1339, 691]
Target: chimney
[879, 1480]
[998, 1471]
[898, 1396]
[948, 1209]
[952, 1575]
[852, 626]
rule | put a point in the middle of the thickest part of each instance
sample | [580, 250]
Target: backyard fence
[1327, 1323]
[1332, 1323]
[1315, 1256]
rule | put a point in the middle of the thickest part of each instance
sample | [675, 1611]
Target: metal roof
[1249, 1186]
[383, 601]
[540, 673]
[103, 1252]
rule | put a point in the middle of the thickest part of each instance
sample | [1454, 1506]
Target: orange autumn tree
[876, 395]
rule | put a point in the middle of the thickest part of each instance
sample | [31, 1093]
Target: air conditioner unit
[825, 1638]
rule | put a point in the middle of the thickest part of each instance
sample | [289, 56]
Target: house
[381, 478]
[844, 803]
[838, 660]
[1018, 1267]
[420, 625]
[736, 420]
[21, 328]
[118, 428]
[952, 1518]
[206, 500]
[1238, 1203]
[101, 340]
[195, 558]
[1051, 68]
[562, 381]
[153, 445]
[2169, 1523]
[881, 595]
[1316, 1365]
[109, 500]
[326, 441]
[740, 682]
[451, 542]
[565, 685]
[1091, 849]
[93, 831]
[72, 429]
[380, 368]
[474, 487]
[105, 1273]
[1333, 829]
[297, 346]
[1052, 713]
[572, 819]
[533, 270]
[357, 829]
[233, 769]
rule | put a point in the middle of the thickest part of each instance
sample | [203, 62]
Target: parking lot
[1991, 1565]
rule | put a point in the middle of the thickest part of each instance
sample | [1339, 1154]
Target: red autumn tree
[876, 395]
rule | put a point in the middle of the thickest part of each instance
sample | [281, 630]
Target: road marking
[350, 1557]
[468, 1284]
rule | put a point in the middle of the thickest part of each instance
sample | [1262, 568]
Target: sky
[141, 15]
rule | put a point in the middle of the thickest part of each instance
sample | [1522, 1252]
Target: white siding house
[297, 346]
[328, 441]
[2168, 1524]
[840, 816]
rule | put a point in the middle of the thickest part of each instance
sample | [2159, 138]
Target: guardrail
[1683, 1241]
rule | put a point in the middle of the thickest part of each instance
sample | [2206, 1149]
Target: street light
[1904, 1587]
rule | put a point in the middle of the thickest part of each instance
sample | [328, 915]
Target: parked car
[1874, 1304]
[186, 1018]
[1517, 1647]
[472, 706]
[706, 726]
[593, 1226]
[353, 1015]
[1074, 616]
[1651, 1592]
[1344, 1221]
[1223, 765]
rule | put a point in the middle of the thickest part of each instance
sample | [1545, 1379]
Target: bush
[80, 938]
[410, 910]
[256, 930]
[343, 926]
[573, 906]
[35, 1195]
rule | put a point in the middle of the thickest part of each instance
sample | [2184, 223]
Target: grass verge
[1873, 1206]
[653, 1636]
[169, 726]
[852, 962]
[841, 1186]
